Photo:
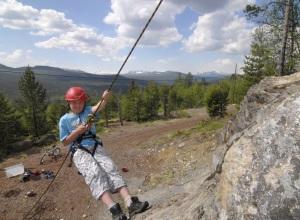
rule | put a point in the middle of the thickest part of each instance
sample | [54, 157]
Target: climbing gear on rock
[117, 213]
[30, 193]
[25, 177]
[47, 174]
[53, 153]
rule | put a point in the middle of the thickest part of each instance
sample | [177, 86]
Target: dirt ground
[147, 150]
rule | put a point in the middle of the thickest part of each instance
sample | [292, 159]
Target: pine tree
[173, 98]
[164, 97]
[110, 109]
[281, 22]
[33, 104]
[217, 100]
[10, 126]
[53, 113]
[151, 101]
[253, 68]
[132, 103]
[260, 62]
[188, 80]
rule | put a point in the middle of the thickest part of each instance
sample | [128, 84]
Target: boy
[98, 170]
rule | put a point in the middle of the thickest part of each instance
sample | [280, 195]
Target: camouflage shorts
[99, 172]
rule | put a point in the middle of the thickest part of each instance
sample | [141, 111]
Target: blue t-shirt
[69, 121]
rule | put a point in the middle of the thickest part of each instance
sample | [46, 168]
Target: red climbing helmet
[76, 93]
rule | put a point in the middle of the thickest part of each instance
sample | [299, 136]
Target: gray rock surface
[255, 170]
[260, 172]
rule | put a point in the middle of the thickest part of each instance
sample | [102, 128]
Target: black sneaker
[137, 206]
[117, 213]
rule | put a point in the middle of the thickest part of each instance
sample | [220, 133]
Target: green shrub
[216, 100]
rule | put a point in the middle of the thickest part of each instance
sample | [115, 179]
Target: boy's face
[76, 106]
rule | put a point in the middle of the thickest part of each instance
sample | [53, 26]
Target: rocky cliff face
[260, 178]
[255, 171]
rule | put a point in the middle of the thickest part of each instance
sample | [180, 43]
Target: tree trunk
[234, 84]
[35, 127]
[106, 117]
[293, 36]
[284, 37]
[120, 110]
[165, 104]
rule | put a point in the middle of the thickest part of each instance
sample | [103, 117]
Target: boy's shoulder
[88, 108]
[66, 116]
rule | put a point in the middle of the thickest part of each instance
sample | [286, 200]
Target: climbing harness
[77, 145]
[92, 116]
[87, 135]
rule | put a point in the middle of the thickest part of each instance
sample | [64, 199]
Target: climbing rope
[90, 119]
[129, 54]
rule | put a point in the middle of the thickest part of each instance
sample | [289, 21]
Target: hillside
[248, 170]
[57, 80]
[149, 150]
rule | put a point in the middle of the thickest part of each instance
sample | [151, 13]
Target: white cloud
[220, 31]
[64, 34]
[52, 22]
[203, 6]
[15, 15]
[218, 27]
[14, 57]
[130, 16]
[19, 58]
[84, 40]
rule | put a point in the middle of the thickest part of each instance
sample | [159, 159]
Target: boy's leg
[124, 192]
[98, 181]
[115, 180]
[114, 208]
[107, 199]
[133, 204]
[118, 184]
[95, 177]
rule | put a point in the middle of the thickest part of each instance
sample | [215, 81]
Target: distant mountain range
[169, 77]
[58, 80]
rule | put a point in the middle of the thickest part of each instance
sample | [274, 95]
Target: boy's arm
[105, 97]
[74, 134]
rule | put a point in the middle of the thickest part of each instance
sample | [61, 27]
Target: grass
[207, 126]
[182, 133]
[173, 166]
[211, 125]
[181, 114]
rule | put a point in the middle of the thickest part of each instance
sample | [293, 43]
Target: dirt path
[69, 197]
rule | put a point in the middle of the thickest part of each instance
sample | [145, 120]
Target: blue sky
[95, 35]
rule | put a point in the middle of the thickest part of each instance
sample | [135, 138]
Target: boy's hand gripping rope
[92, 116]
